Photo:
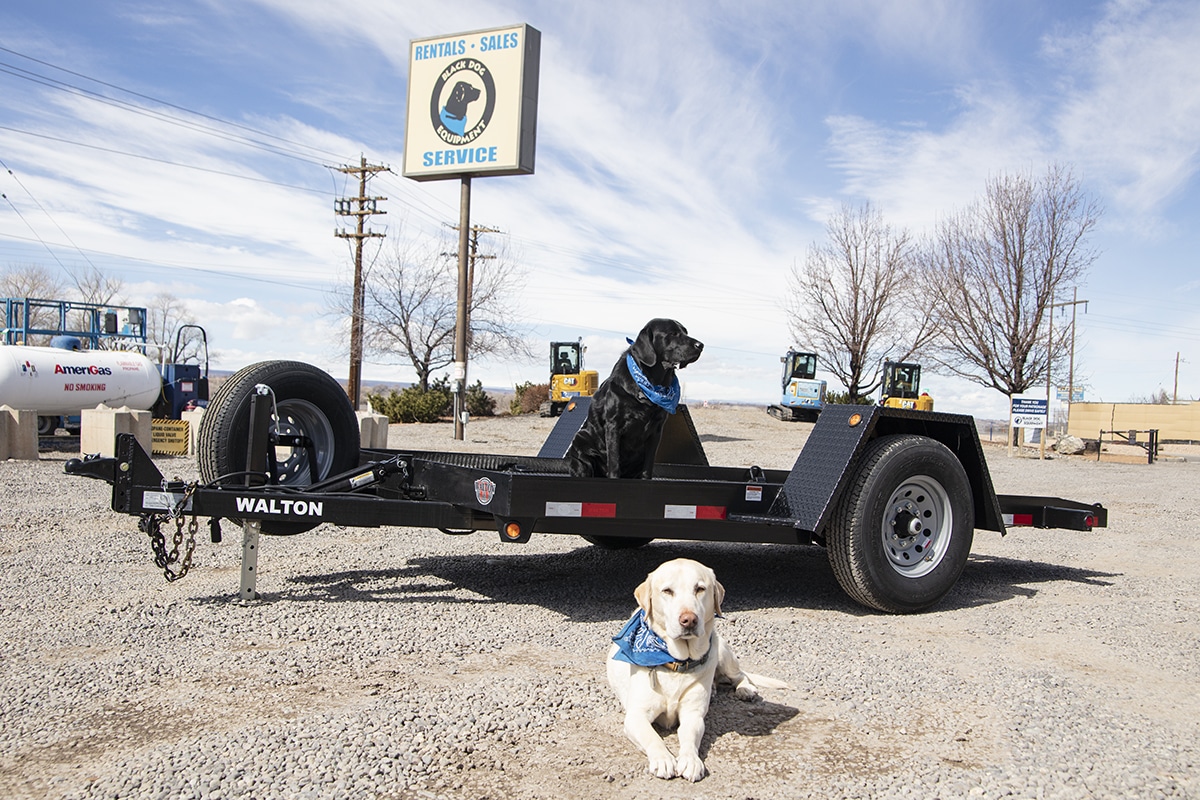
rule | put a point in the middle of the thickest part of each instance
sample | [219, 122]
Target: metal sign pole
[459, 383]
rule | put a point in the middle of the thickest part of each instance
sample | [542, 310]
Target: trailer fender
[826, 464]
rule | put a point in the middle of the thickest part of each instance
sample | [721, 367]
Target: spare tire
[308, 402]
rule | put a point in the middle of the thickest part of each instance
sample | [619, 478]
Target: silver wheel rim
[917, 526]
[302, 417]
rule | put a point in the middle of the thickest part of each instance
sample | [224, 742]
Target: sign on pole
[472, 104]
[1029, 412]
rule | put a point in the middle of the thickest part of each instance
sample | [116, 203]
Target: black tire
[902, 531]
[617, 542]
[309, 401]
[47, 426]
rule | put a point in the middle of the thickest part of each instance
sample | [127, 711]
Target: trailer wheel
[902, 531]
[617, 542]
[309, 402]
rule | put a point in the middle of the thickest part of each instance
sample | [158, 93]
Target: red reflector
[598, 509]
[1090, 522]
[710, 512]
[1022, 519]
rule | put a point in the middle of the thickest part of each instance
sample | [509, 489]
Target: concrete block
[99, 427]
[193, 420]
[18, 434]
[372, 430]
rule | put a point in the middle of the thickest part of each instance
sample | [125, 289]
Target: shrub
[410, 404]
[841, 398]
[479, 402]
[528, 397]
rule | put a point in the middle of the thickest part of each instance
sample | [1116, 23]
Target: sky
[688, 155]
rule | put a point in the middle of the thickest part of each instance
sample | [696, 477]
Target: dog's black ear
[643, 348]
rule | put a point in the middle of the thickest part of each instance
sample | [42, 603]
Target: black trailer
[893, 495]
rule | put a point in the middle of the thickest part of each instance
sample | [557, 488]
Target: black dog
[462, 96]
[620, 436]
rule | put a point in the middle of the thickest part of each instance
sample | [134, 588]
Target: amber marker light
[512, 531]
[854, 419]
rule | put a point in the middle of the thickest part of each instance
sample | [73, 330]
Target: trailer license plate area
[164, 501]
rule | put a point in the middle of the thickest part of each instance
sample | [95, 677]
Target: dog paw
[662, 766]
[690, 768]
[746, 691]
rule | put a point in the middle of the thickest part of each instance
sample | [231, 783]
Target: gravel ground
[404, 663]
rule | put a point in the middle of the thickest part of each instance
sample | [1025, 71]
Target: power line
[168, 162]
[33, 230]
[155, 269]
[53, 83]
[47, 213]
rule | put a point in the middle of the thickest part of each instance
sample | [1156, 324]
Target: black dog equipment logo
[462, 102]
[472, 104]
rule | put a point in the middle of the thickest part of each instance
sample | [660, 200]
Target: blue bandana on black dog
[665, 396]
[638, 644]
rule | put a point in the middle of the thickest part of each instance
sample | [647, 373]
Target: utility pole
[360, 207]
[1175, 394]
[1075, 301]
[468, 239]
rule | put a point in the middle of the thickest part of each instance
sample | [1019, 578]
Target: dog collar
[665, 396]
[638, 644]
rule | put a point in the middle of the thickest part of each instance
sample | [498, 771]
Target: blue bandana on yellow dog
[638, 644]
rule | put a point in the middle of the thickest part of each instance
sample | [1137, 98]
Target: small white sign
[163, 501]
[1029, 412]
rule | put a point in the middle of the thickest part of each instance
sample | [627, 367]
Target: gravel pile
[405, 663]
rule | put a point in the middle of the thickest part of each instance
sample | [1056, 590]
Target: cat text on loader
[901, 387]
[568, 378]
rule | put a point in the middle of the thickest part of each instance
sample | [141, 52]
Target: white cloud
[1130, 112]
[916, 174]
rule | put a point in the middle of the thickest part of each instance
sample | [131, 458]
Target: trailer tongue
[893, 495]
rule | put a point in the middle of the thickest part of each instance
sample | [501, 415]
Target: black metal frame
[518, 495]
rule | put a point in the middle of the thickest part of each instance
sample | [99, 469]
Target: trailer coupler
[93, 466]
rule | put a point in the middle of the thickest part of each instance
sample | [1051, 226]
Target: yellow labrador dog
[663, 664]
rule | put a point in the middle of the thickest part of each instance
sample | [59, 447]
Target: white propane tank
[50, 380]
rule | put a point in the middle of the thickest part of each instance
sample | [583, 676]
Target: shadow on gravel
[716, 437]
[590, 584]
[990, 579]
[727, 714]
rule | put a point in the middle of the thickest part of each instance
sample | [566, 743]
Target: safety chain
[150, 524]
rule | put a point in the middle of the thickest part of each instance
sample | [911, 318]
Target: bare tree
[96, 287]
[853, 300]
[31, 281]
[167, 316]
[994, 270]
[410, 305]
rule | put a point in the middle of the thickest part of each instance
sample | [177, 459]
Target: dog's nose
[687, 620]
